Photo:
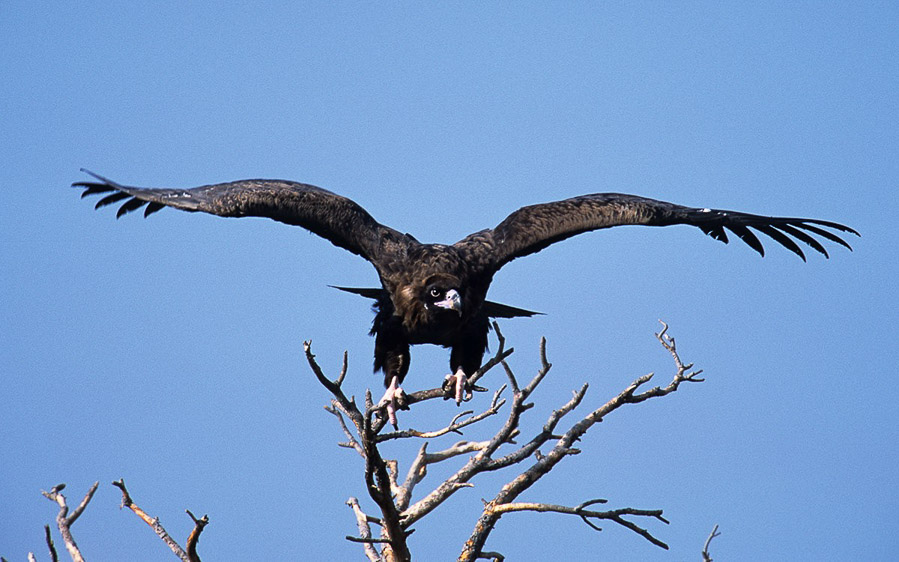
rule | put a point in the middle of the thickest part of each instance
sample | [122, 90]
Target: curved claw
[394, 398]
[459, 383]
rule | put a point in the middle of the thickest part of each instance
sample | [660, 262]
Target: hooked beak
[452, 301]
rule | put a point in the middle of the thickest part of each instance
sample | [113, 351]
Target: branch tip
[706, 556]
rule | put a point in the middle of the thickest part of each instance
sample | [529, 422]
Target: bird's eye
[434, 292]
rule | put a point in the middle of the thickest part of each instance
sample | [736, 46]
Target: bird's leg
[394, 397]
[459, 382]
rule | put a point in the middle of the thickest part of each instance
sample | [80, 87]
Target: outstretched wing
[331, 216]
[530, 229]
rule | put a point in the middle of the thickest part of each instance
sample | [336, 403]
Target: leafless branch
[65, 521]
[380, 487]
[199, 524]
[377, 479]
[363, 523]
[706, 557]
[351, 442]
[194, 537]
[380, 480]
[366, 541]
[347, 405]
[563, 448]
[53, 555]
[615, 515]
[455, 424]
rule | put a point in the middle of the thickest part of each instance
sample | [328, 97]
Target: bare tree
[525, 462]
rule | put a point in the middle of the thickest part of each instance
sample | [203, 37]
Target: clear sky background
[168, 351]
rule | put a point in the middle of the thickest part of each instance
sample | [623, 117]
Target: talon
[394, 398]
[459, 383]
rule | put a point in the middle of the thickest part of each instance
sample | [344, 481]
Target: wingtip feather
[101, 178]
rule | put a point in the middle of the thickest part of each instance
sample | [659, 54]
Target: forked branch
[706, 556]
[64, 520]
[189, 555]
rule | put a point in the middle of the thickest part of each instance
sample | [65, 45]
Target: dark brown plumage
[434, 293]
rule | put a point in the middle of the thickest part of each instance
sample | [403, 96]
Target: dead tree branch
[53, 555]
[194, 537]
[363, 522]
[65, 521]
[190, 555]
[706, 557]
[493, 510]
[394, 498]
[377, 478]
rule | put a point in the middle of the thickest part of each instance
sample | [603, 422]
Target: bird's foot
[394, 398]
[458, 383]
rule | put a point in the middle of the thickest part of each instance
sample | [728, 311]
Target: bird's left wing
[333, 217]
[530, 229]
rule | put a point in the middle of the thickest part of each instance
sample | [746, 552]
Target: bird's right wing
[532, 228]
[333, 217]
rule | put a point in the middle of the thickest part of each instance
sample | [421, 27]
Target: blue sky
[167, 351]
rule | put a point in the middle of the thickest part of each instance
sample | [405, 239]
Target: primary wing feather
[333, 217]
[530, 229]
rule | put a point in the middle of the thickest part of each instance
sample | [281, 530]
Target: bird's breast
[442, 329]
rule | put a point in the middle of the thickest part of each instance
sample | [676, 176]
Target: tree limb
[53, 555]
[194, 537]
[612, 515]
[64, 521]
[362, 523]
[199, 524]
[706, 557]
[454, 426]
[493, 509]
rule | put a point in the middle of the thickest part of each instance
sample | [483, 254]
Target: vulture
[436, 293]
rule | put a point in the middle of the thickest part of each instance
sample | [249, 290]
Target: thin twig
[454, 426]
[53, 555]
[336, 409]
[706, 557]
[611, 515]
[334, 387]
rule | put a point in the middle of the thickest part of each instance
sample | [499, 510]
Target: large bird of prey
[435, 293]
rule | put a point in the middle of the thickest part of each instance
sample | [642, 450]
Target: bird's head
[442, 292]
